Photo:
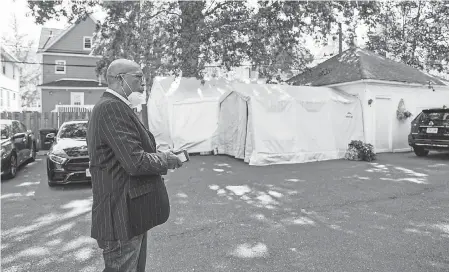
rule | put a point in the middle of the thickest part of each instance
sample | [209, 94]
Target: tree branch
[166, 12]
[219, 5]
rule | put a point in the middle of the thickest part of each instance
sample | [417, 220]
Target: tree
[21, 46]
[415, 33]
[185, 36]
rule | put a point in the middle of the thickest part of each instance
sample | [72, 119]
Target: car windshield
[73, 131]
[5, 130]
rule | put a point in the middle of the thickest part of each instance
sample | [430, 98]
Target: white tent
[278, 124]
[182, 112]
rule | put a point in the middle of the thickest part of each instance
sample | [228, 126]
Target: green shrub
[360, 151]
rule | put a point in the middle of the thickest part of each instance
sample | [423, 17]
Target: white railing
[73, 108]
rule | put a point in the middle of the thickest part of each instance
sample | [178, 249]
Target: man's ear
[119, 79]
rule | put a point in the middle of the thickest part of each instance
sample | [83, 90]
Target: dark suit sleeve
[121, 134]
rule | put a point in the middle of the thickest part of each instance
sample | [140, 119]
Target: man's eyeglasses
[138, 76]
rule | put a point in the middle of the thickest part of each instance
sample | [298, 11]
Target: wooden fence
[35, 120]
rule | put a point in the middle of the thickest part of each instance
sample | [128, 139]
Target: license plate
[88, 173]
[432, 130]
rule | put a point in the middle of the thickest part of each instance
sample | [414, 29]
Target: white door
[384, 115]
[77, 98]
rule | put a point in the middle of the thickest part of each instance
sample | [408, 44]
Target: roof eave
[72, 87]
[9, 55]
[382, 82]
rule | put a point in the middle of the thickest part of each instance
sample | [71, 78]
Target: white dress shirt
[119, 96]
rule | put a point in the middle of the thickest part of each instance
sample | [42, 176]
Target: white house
[9, 82]
[380, 84]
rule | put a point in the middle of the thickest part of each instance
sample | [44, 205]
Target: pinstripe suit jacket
[129, 194]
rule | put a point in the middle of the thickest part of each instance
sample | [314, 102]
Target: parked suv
[430, 131]
[68, 160]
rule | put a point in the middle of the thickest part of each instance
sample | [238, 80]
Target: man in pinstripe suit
[129, 194]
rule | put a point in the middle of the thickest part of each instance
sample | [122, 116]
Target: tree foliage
[21, 45]
[413, 32]
[169, 37]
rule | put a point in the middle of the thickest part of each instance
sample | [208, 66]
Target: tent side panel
[347, 124]
[193, 126]
[158, 119]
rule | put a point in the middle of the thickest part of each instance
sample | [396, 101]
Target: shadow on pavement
[71, 187]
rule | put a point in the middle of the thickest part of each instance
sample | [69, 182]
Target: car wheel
[33, 152]
[12, 166]
[420, 152]
[51, 184]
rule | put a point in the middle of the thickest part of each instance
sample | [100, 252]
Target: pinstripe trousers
[125, 256]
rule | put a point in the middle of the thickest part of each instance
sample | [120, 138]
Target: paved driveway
[390, 215]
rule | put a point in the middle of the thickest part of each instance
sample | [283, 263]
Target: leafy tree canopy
[413, 32]
[169, 37]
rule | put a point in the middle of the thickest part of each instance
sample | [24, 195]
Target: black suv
[430, 131]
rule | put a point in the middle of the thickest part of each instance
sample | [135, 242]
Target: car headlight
[57, 156]
[57, 159]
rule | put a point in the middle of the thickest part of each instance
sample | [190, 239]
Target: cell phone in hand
[183, 155]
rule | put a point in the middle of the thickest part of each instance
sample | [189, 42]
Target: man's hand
[172, 160]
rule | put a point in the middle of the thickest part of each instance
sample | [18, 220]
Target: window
[87, 43]
[23, 128]
[13, 72]
[15, 127]
[13, 96]
[5, 131]
[4, 69]
[1, 98]
[433, 115]
[77, 98]
[7, 99]
[60, 67]
[73, 130]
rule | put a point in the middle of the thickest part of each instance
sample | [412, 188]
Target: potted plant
[360, 151]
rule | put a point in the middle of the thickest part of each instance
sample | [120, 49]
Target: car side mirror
[18, 135]
[50, 136]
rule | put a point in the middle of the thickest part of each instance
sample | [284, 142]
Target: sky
[27, 26]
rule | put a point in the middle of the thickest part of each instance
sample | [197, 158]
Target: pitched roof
[47, 36]
[8, 55]
[357, 64]
[81, 83]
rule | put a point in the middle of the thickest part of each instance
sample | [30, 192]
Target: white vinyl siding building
[9, 82]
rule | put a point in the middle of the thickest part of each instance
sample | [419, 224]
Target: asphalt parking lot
[389, 215]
